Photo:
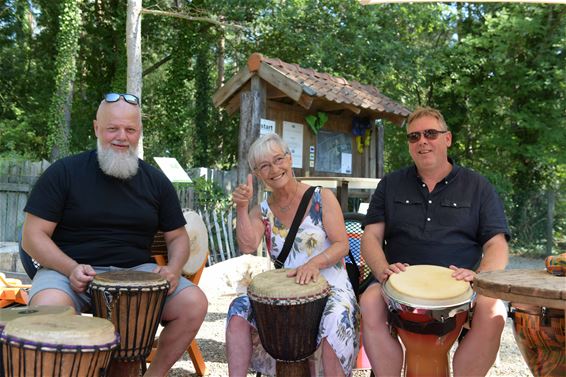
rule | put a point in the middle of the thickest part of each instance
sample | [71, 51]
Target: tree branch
[156, 65]
[191, 18]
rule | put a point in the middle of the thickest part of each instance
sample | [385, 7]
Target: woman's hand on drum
[394, 268]
[305, 273]
[171, 276]
[81, 276]
[243, 193]
[463, 274]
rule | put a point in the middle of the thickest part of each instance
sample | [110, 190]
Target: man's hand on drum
[243, 194]
[463, 274]
[305, 273]
[170, 275]
[81, 276]
[391, 269]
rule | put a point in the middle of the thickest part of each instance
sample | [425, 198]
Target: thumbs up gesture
[244, 193]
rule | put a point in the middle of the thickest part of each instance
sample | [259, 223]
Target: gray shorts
[51, 279]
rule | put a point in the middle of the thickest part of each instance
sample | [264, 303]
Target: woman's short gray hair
[264, 145]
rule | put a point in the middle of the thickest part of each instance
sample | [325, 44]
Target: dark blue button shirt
[446, 226]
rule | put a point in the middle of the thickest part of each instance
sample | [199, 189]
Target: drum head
[199, 242]
[427, 286]
[75, 330]
[128, 279]
[9, 314]
[275, 284]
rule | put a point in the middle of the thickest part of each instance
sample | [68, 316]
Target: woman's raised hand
[244, 193]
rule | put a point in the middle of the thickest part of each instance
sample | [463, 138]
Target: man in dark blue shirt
[438, 213]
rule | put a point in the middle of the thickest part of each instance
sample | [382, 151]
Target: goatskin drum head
[128, 279]
[275, 284]
[198, 236]
[74, 330]
[9, 314]
[428, 282]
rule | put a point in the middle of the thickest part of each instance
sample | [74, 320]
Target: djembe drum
[9, 314]
[198, 235]
[537, 305]
[56, 346]
[288, 317]
[133, 301]
[428, 308]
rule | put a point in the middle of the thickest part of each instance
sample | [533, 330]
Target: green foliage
[65, 69]
[208, 195]
[496, 71]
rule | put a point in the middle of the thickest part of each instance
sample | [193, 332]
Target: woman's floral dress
[340, 320]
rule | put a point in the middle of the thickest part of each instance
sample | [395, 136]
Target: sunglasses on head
[431, 134]
[115, 97]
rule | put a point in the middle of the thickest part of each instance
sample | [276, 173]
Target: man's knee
[52, 296]
[489, 313]
[372, 303]
[190, 303]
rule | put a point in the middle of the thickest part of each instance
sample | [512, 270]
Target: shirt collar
[447, 179]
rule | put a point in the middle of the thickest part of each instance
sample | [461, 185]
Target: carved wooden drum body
[133, 302]
[288, 317]
[57, 346]
[537, 305]
[428, 309]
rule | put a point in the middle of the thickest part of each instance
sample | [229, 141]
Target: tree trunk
[133, 45]
[65, 67]
[220, 61]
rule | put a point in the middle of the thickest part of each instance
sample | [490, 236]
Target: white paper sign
[172, 169]
[346, 167]
[266, 126]
[293, 135]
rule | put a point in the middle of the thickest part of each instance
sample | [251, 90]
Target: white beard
[117, 164]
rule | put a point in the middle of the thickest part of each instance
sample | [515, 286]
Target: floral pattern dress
[340, 320]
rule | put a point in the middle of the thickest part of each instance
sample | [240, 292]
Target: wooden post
[252, 108]
[379, 149]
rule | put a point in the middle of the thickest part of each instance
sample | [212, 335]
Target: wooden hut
[323, 118]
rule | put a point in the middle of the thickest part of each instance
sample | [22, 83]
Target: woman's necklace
[286, 208]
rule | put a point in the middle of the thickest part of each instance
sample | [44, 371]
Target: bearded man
[98, 211]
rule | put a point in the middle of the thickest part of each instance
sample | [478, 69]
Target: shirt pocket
[408, 210]
[454, 212]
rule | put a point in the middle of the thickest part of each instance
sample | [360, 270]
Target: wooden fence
[16, 180]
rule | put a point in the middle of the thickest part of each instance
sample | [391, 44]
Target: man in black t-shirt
[438, 213]
[98, 211]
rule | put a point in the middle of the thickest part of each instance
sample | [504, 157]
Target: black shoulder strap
[280, 261]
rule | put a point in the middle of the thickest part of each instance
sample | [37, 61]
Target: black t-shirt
[446, 226]
[102, 220]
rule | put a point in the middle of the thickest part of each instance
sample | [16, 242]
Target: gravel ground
[211, 335]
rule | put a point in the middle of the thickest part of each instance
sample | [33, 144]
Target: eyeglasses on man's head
[265, 166]
[430, 134]
[115, 97]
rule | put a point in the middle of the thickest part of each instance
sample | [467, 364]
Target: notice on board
[172, 169]
[293, 135]
[266, 126]
[346, 165]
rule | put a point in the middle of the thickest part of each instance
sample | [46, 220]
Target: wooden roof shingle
[296, 81]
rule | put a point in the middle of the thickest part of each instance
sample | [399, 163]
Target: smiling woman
[315, 244]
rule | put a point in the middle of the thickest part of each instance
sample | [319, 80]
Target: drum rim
[157, 281]
[54, 347]
[390, 296]
[284, 301]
